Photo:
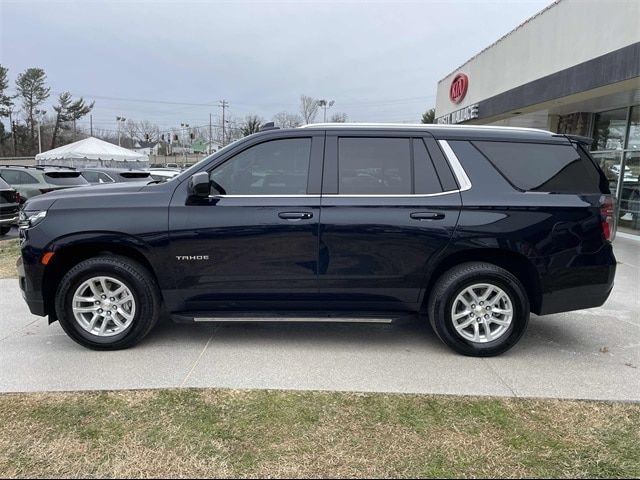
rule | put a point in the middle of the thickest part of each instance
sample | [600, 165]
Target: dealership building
[573, 68]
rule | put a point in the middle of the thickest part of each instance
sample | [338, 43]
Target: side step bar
[291, 317]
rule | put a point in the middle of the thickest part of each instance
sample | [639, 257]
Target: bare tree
[340, 117]
[148, 131]
[308, 108]
[287, 120]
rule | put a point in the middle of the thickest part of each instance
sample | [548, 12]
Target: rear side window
[65, 178]
[374, 166]
[543, 167]
[16, 177]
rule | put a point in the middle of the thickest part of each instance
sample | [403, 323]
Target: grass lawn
[9, 253]
[212, 433]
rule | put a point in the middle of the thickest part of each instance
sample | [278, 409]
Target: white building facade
[573, 68]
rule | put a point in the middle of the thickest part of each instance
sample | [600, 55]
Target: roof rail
[19, 166]
[426, 126]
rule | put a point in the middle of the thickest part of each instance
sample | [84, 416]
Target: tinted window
[374, 166]
[543, 167]
[425, 176]
[134, 176]
[65, 178]
[17, 177]
[278, 167]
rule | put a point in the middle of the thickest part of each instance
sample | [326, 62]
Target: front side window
[277, 167]
[374, 166]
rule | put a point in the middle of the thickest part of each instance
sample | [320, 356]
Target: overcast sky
[379, 61]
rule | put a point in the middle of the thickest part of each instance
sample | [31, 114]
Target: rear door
[390, 204]
[254, 242]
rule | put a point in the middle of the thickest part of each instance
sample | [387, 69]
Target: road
[589, 354]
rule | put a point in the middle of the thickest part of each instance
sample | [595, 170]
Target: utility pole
[74, 129]
[91, 124]
[210, 136]
[224, 104]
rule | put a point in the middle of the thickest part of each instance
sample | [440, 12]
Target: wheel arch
[72, 251]
[515, 263]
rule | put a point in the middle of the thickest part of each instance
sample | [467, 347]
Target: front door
[386, 213]
[254, 242]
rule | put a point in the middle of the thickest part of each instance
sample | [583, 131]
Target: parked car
[9, 207]
[99, 175]
[471, 227]
[31, 181]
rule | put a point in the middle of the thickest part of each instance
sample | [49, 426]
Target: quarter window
[543, 167]
[278, 167]
[374, 166]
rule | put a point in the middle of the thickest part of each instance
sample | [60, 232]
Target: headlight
[30, 219]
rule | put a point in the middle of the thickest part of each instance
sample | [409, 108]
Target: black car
[473, 227]
[99, 175]
[9, 207]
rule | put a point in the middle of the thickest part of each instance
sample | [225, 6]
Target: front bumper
[31, 292]
[8, 220]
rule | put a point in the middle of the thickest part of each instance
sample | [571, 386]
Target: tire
[450, 288]
[142, 310]
[4, 230]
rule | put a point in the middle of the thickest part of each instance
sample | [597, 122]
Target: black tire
[137, 279]
[457, 279]
[4, 230]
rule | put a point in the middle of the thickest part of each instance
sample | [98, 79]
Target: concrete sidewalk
[590, 354]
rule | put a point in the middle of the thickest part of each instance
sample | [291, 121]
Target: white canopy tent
[93, 152]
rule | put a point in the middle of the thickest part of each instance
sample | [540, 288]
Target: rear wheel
[107, 303]
[479, 309]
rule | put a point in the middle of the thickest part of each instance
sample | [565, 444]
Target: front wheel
[107, 303]
[479, 309]
[4, 230]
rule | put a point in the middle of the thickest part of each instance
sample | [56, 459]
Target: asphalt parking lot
[590, 354]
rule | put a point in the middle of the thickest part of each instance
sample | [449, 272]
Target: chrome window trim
[388, 195]
[458, 171]
[265, 196]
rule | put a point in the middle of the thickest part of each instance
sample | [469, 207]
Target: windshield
[65, 178]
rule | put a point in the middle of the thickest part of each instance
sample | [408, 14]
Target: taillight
[18, 199]
[608, 216]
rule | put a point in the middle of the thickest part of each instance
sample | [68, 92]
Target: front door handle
[427, 216]
[293, 216]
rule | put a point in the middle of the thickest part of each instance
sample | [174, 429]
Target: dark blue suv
[472, 227]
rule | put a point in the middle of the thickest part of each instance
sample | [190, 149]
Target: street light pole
[41, 113]
[120, 121]
[325, 104]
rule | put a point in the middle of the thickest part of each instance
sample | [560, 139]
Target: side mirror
[199, 185]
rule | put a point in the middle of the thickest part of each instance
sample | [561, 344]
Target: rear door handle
[293, 216]
[427, 216]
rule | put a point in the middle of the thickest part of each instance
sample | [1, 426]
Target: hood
[45, 201]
